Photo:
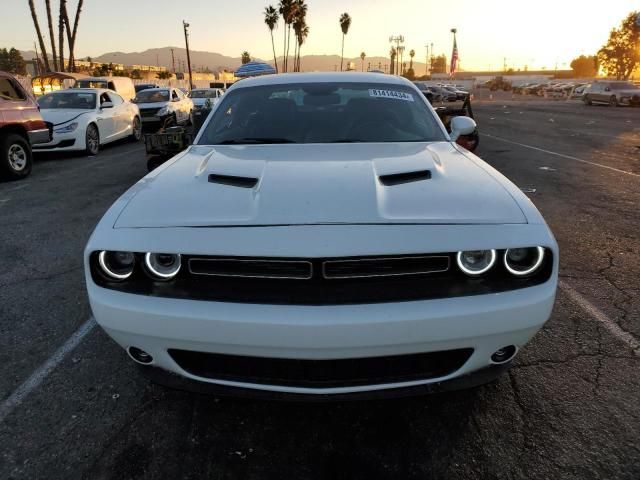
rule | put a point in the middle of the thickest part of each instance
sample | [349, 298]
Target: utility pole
[426, 63]
[397, 39]
[186, 41]
[173, 61]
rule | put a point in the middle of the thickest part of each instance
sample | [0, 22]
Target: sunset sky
[538, 34]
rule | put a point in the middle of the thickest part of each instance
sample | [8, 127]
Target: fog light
[504, 354]
[140, 356]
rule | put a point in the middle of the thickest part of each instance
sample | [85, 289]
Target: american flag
[454, 58]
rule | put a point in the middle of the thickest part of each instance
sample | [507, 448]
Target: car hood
[59, 116]
[267, 185]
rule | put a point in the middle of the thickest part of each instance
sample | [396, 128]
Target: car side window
[104, 98]
[116, 99]
[10, 91]
[174, 95]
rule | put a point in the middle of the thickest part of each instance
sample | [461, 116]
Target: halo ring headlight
[528, 270]
[164, 266]
[109, 261]
[485, 258]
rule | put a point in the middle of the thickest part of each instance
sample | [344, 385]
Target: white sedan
[84, 119]
[324, 236]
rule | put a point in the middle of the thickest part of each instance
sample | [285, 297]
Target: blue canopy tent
[253, 69]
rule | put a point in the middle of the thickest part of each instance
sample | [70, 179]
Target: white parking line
[562, 155]
[37, 377]
[613, 328]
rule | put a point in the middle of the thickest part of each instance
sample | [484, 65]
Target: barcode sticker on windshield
[374, 92]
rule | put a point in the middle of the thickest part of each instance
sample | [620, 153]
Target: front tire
[92, 140]
[613, 101]
[136, 129]
[16, 158]
[587, 100]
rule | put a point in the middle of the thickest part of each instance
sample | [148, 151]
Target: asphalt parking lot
[73, 406]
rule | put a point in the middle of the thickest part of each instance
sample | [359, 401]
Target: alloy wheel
[17, 157]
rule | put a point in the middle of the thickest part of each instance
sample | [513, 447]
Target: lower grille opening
[321, 373]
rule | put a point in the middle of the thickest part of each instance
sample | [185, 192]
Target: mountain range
[216, 61]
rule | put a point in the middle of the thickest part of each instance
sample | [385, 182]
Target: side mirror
[462, 126]
[607, 89]
[106, 105]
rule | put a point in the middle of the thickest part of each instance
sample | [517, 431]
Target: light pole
[186, 41]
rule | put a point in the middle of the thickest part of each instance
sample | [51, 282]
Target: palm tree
[245, 57]
[345, 23]
[52, 38]
[34, 17]
[72, 33]
[63, 8]
[288, 11]
[271, 18]
[412, 53]
[362, 57]
[299, 23]
[304, 33]
[392, 65]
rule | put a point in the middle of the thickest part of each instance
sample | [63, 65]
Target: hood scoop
[404, 177]
[233, 180]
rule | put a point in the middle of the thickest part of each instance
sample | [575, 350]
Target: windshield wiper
[255, 140]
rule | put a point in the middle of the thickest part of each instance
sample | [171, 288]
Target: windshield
[91, 84]
[322, 113]
[72, 100]
[152, 96]
[623, 86]
[203, 94]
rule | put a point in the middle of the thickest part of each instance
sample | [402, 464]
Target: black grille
[384, 267]
[334, 281]
[321, 373]
[149, 112]
[233, 267]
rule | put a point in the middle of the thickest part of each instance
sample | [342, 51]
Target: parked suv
[21, 125]
[612, 92]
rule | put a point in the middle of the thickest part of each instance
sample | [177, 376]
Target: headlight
[476, 262]
[164, 266]
[162, 112]
[523, 261]
[68, 128]
[117, 265]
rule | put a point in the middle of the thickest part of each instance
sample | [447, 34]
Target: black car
[144, 86]
[428, 91]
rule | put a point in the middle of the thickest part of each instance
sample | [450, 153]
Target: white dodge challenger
[324, 236]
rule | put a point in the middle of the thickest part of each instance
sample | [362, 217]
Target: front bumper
[484, 323]
[60, 142]
[39, 136]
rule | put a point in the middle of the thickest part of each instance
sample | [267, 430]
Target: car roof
[155, 89]
[83, 90]
[321, 77]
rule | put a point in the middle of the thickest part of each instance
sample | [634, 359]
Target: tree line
[11, 61]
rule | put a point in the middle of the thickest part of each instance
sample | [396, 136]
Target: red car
[21, 125]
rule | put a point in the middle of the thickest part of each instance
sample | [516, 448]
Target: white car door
[106, 119]
[121, 115]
